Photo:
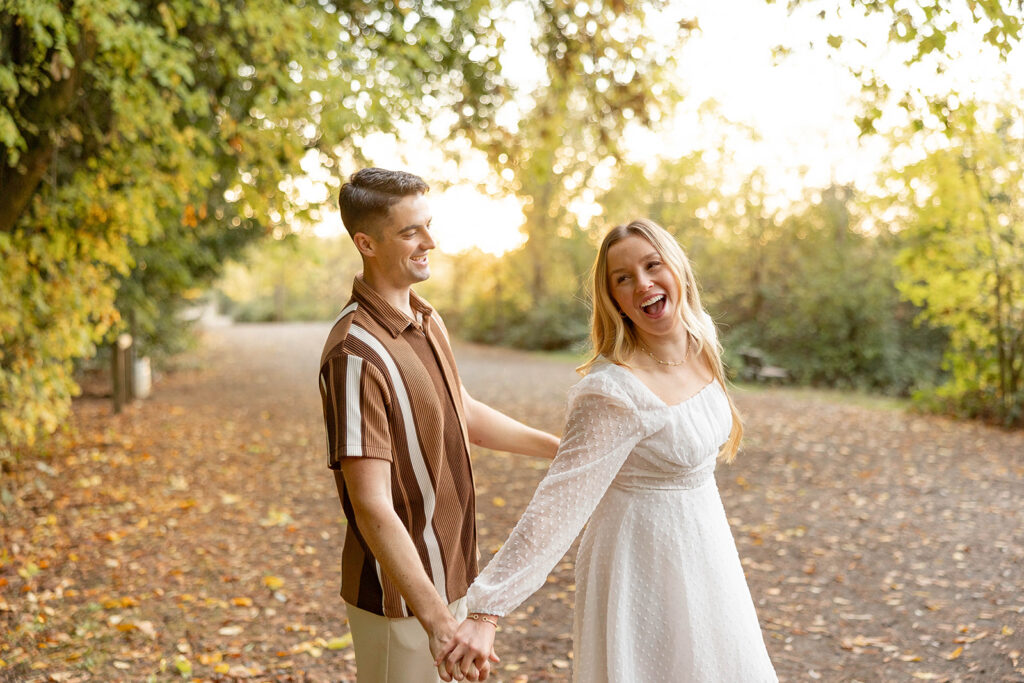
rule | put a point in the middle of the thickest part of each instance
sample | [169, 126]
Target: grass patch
[852, 397]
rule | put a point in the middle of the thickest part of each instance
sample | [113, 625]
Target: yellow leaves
[28, 571]
[498, 502]
[121, 602]
[273, 582]
[183, 666]
[241, 602]
[955, 654]
[315, 647]
[276, 517]
[340, 642]
[96, 214]
[222, 668]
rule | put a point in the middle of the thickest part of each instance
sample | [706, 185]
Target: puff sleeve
[602, 428]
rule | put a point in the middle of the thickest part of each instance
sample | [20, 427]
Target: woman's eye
[620, 279]
[653, 264]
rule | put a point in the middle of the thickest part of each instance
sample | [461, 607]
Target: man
[399, 423]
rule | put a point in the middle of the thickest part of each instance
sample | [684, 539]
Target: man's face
[400, 252]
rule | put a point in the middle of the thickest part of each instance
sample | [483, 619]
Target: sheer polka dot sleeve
[602, 428]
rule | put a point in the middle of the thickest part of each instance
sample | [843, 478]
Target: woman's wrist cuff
[489, 618]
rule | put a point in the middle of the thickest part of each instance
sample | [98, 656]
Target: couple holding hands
[660, 591]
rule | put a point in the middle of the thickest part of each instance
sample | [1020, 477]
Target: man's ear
[364, 243]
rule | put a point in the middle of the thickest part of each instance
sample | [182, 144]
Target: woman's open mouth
[654, 306]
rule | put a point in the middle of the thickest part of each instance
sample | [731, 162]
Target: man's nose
[428, 241]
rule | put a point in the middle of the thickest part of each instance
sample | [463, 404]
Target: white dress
[660, 592]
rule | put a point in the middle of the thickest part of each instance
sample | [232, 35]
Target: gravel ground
[202, 527]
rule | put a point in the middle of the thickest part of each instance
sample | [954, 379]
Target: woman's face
[642, 285]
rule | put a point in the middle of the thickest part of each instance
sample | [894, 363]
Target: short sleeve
[356, 404]
[602, 429]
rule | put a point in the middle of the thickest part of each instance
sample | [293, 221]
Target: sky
[802, 108]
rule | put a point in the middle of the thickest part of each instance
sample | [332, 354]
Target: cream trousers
[394, 650]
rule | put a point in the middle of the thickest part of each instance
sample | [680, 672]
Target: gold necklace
[673, 363]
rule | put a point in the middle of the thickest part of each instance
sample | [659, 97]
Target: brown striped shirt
[390, 390]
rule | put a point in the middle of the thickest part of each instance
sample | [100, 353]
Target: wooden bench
[755, 368]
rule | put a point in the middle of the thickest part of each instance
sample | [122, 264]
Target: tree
[806, 285]
[962, 256]
[932, 35]
[602, 74]
[135, 123]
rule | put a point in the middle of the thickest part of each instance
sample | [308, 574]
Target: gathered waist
[684, 481]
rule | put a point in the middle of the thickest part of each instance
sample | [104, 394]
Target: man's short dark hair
[369, 194]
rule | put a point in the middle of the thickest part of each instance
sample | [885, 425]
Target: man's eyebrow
[415, 226]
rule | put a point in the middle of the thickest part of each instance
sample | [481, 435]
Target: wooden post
[120, 371]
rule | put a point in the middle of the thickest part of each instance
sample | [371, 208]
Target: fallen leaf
[340, 643]
[183, 666]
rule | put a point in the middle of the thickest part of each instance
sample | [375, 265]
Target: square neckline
[659, 399]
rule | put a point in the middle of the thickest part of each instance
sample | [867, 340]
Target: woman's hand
[469, 653]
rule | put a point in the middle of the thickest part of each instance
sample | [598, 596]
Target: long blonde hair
[613, 335]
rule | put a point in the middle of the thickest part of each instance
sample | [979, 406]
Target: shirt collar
[394, 320]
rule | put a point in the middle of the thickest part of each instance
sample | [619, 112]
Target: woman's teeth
[654, 305]
[653, 300]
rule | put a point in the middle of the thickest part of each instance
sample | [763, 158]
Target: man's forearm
[495, 430]
[393, 547]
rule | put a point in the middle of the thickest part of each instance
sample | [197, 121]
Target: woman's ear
[364, 243]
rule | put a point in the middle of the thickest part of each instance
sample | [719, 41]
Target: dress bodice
[681, 441]
[618, 434]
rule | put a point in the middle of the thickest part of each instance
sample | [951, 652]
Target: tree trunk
[46, 113]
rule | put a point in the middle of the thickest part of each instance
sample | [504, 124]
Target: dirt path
[199, 532]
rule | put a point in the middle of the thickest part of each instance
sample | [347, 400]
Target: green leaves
[962, 257]
[144, 144]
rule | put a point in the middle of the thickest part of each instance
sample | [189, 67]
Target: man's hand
[469, 653]
[440, 635]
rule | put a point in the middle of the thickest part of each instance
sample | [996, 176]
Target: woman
[660, 592]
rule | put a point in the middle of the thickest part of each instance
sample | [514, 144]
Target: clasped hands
[468, 654]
